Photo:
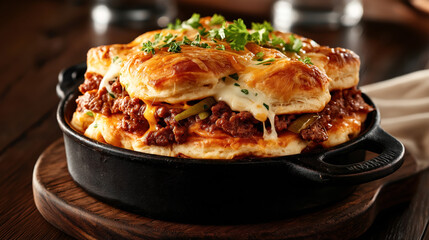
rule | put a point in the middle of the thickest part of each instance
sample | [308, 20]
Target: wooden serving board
[66, 206]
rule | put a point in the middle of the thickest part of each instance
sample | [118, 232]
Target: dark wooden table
[39, 38]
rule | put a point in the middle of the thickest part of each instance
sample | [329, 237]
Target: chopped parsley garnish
[262, 31]
[266, 106]
[234, 76]
[237, 35]
[112, 95]
[236, 84]
[95, 125]
[220, 47]
[194, 21]
[217, 33]
[90, 113]
[217, 20]
[294, 44]
[256, 94]
[158, 38]
[266, 61]
[186, 41]
[176, 25]
[174, 47]
[259, 56]
[245, 91]
[203, 32]
[148, 47]
[115, 59]
[306, 60]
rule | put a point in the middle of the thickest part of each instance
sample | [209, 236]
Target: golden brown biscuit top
[260, 78]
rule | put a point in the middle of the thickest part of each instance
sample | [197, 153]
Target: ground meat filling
[115, 102]
[168, 131]
[343, 103]
[237, 124]
[92, 81]
[241, 124]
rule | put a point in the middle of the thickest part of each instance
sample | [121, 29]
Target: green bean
[202, 106]
[303, 122]
[203, 115]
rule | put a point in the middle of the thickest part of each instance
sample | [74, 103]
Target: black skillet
[220, 191]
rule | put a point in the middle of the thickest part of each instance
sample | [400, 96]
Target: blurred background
[384, 33]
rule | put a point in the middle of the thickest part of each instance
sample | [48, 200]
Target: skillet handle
[69, 79]
[390, 158]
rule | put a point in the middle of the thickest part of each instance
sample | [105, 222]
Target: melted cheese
[111, 74]
[235, 93]
[240, 97]
[149, 114]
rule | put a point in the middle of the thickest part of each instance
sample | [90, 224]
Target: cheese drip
[235, 93]
[240, 97]
[111, 74]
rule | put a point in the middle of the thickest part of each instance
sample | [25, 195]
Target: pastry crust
[195, 72]
[157, 80]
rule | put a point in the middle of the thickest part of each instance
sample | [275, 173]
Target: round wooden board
[66, 206]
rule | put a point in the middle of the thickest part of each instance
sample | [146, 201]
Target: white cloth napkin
[404, 106]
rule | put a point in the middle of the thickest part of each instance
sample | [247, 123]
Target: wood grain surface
[39, 38]
[69, 208]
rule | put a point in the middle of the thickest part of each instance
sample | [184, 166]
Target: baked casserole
[209, 88]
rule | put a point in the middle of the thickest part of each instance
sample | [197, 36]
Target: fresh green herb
[256, 94]
[203, 32]
[237, 35]
[203, 115]
[245, 91]
[259, 56]
[158, 38]
[261, 32]
[266, 106]
[197, 42]
[176, 25]
[306, 60]
[294, 44]
[95, 125]
[234, 76]
[174, 47]
[186, 41]
[265, 25]
[277, 42]
[266, 61]
[217, 33]
[236, 84]
[197, 39]
[223, 79]
[196, 109]
[148, 47]
[220, 47]
[112, 95]
[90, 113]
[217, 20]
[169, 38]
[115, 59]
[193, 22]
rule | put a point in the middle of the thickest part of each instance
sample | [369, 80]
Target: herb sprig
[235, 33]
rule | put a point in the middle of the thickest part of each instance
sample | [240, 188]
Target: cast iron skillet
[220, 191]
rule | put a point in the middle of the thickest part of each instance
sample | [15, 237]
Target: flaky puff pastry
[194, 73]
